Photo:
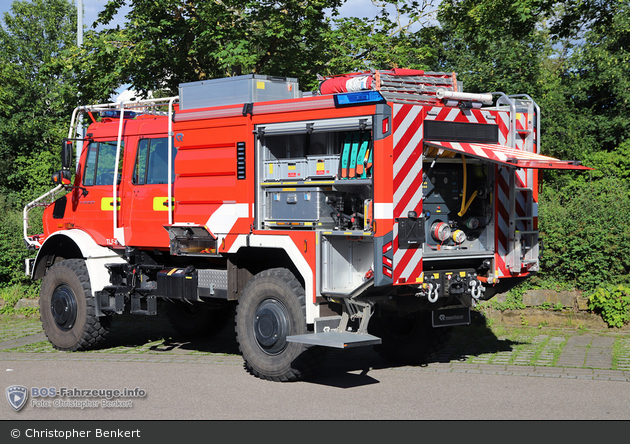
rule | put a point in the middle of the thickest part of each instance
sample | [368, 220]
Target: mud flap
[448, 317]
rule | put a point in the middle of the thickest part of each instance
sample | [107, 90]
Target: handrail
[537, 132]
[27, 208]
[170, 158]
[512, 139]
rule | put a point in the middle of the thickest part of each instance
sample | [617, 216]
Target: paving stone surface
[567, 353]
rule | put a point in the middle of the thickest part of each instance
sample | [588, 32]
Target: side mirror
[66, 154]
[62, 177]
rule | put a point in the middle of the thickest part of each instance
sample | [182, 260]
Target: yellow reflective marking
[107, 203]
[161, 203]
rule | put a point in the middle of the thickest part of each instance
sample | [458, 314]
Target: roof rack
[396, 85]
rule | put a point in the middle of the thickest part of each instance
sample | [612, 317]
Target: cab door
[94, 211]
[147, 213]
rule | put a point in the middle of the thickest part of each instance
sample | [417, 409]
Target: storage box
[300, 206]
[288, 169]
[236, 90]
[322, 167]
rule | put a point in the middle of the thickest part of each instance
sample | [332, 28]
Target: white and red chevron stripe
[502, 216]
[407, 176]
[504, 155]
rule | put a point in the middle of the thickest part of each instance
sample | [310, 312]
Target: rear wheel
[195, 320]
[272, 307]
[67, 308]
[409, 339]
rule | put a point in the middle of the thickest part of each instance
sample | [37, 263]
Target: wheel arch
[282, 253]
[56, 248]
[76, 244]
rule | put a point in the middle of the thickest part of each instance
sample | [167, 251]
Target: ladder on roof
[408, 86]
[416, 89]
[523, 243]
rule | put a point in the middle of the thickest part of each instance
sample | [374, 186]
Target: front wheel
[272, 307]
[67, 308]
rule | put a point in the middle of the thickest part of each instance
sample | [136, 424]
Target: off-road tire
[409, 339]
[272, 307]
[195, 320]
[67, 308]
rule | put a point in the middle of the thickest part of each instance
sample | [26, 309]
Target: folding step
[333, 331]
[336, 339]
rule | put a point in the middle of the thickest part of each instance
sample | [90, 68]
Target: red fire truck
[375, 211]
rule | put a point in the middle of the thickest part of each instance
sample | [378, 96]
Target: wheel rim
[63, 307]
[271, 325]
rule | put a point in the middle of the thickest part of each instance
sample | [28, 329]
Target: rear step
[333, 331]
[336, 339]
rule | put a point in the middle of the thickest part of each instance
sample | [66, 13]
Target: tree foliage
[585, 229]
[176, 42]
[36, 99]
[391, 39]
[493, 45]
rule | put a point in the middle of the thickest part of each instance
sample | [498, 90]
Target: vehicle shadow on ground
[351, 368]
[156, 334]
[339, 368]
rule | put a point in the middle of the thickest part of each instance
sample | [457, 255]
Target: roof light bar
[114, 114]
[358, 98]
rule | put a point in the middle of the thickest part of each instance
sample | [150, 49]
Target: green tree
[393, 38]
[36, 99]
[168, 42]
[493, 45]
[600, 71]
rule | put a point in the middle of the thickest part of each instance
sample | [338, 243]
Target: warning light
[114, 114]
[358, 98]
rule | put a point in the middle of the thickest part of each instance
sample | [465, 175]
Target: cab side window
[152, 162]
[100, 163]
